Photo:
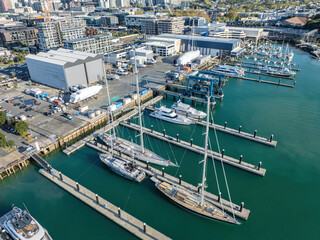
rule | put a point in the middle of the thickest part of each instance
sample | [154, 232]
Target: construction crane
[47, 10]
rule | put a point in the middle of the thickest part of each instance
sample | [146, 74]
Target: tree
[21, 127]
[232, 15]
[3, 118]
[13, 122]
[3, 142]
[10, 143]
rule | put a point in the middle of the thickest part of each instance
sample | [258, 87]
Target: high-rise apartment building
[95, 44]
[52, 33]
[160, 26]
[5, 5]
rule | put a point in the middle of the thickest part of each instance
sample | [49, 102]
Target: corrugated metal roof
[200, 38]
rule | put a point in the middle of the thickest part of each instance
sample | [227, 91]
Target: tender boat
[285, 72]
[169, 115]
[20, 225]
[187, 110]
[134, 150]
[123, 167]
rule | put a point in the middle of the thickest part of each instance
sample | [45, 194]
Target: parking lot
[18, 70]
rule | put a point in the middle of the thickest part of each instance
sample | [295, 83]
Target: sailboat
[191, 200]
[118, 164]
[131, 149]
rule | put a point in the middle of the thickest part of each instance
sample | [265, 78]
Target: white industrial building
[64, 68]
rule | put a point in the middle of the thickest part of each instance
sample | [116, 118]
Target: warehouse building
[64, 68]
[206, 45]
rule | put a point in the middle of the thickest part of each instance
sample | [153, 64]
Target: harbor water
[283, 204]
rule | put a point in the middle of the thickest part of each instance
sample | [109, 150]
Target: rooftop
[87, 38]
[201, 38]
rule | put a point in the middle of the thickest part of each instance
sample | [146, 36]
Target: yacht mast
[109, 110]
[205, 153]
[138, 98]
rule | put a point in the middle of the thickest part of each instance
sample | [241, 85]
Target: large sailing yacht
[191, 200]
[135, 151]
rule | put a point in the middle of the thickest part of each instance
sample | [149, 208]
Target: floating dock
[231, 131]
[267, 82]
[238, 210]
[266, 65]
[114, 213]
[258, 170]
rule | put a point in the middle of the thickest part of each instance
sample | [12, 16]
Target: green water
[283, 204]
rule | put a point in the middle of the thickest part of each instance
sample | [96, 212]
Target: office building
[15, 36]
[64, 68]
[160, 26]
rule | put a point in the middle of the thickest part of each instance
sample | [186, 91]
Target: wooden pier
[12, 163]
[153, 172]
[231, 131]
[265, 81]
[114, 213]
[258, 170]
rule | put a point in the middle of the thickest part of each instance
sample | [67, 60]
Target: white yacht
[134, 150]
[169, 115]
[187, 110]
[284, 72]
[229, 71]
[123, 167]
[20, 225]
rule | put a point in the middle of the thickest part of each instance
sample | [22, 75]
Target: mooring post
[164, 132]
[271, 137]
[198, 189]
[255, 133]
[219, 197]
[162, 172]
[240, 128]
[60, 174]
[222, 153]
[147, 164]
[119, 212]
[191, 140]
[240, 160]
[78, 186]
[199, 119]
[97, 198]
[180, 179]
[259, 166]
[225, 125]
[177, 137]
[151, 128]
[144, 227]
[241, 206]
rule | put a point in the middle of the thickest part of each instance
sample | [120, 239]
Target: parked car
[122, 72]
[22, 106]
[30, 116]
[17, 104]
[28, 109]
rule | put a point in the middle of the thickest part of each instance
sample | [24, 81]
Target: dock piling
[240, 128]
[241, 206]
[60, 174]
[97, 198]
[162, 172]
[177, 137]
[240, 160]
[271, 137]
[219, 197]
[191, 140]
[119, 212]
[180, 179]
[255, 133]
[164, 132]
[259, 166]
[225, 125]
[147, 164]
[144, 227]
[222, 153]
[78, 187]
[151, 128]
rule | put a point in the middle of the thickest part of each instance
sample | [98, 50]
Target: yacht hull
[170, 120]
